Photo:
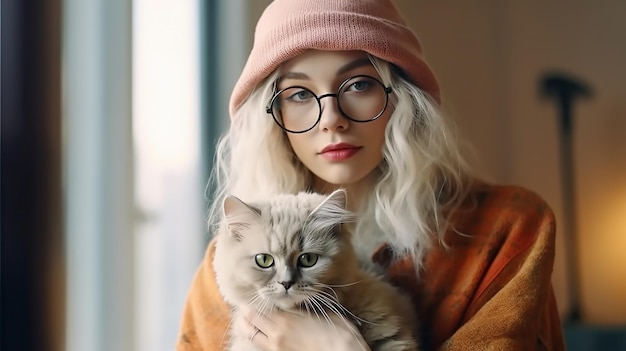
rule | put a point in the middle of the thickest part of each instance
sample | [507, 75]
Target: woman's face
[338, 151]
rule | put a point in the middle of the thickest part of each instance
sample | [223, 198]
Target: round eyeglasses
[360, 99]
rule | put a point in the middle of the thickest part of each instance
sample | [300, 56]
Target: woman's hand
[288, 331]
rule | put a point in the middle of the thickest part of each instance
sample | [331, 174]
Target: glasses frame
[386, 89]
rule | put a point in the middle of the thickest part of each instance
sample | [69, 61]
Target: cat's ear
[333, 208]
[339, 197]
[235, 206]
[238, 215]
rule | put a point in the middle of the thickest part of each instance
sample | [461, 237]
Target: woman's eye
[264, 260]
[359, 85]
[308, 259]
[301, 95]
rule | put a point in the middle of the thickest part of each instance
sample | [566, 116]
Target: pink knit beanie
[289, 27]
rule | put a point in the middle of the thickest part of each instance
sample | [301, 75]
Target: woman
[336, 93]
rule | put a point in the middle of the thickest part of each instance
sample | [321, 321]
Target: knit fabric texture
[289, 27]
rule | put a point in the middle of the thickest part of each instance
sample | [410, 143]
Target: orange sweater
[490, 289]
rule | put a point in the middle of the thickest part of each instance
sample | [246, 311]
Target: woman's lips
[339, 152]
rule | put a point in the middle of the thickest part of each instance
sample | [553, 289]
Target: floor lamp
[564, 89]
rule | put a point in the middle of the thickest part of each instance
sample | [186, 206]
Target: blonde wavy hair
[422, 178]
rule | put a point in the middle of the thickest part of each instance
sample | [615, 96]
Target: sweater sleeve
[513, 306]
[206, 316]
[489, 287]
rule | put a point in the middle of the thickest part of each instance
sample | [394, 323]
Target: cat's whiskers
[308, 303]
[335, 301]
[315, 299]
[265, 308]
[329, 304]
[322, 311]
[305, 304]
[254, 298]
[326, 287]
[340, 285]
[260, 305]
[323, 296]
[319, 309]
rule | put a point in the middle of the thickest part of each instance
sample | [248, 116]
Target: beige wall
[489, 56]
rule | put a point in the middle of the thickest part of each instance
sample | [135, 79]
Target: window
[168, 182]
[142, 83]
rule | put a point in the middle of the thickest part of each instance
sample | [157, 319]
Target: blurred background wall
[110, 112]
[491, 57]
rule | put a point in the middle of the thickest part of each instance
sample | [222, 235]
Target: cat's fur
[286, 227]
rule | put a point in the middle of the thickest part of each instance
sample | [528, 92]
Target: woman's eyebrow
[360, 62]
[294, 75]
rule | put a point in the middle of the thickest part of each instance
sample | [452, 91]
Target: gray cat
[294, 253]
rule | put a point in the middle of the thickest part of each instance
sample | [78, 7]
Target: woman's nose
[331, 118]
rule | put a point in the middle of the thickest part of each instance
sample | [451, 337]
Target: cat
[293, 252]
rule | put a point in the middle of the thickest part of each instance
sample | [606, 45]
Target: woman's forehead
[314, 62]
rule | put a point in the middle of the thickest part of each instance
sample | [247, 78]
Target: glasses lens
[362, 98]
[295, 109]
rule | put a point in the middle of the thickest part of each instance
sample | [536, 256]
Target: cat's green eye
[307, 259]
[264, 260]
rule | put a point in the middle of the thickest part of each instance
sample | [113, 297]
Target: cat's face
[285, 252]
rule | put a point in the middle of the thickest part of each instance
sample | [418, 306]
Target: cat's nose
[287, 284]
